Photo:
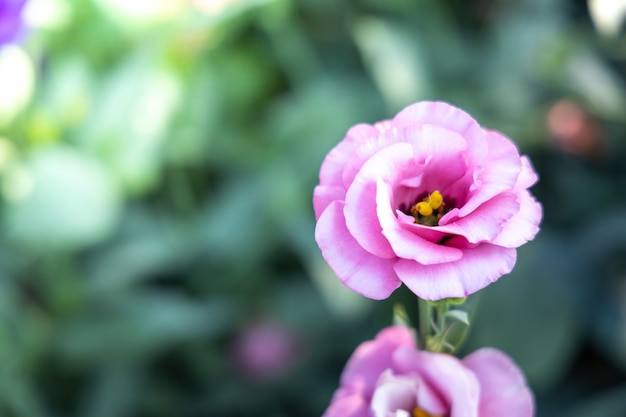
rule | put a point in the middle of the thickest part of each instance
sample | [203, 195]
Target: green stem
[425, 321]
[442, 308]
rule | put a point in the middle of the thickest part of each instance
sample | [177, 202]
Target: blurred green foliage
[157, 161]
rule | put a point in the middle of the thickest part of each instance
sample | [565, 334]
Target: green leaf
[142, 324]
[60, 199]
[458, 315]
[400, 316]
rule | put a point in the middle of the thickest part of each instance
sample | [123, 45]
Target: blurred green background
[157, 161]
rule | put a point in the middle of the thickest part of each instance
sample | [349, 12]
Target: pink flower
[389, 377]
[429, 199]
[265, 350]
[11, 23]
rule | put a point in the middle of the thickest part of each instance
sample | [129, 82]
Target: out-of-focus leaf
[395, 59]
[343, 302]
[198, 121]
[233, 227]
[149, 245]
[17, 81]
[307, 124]
[604, 90]
[60, 199]
[142, 324]
[114, 390]
[530, 313]
[68, 92]
[600, 249]
[130, 118]
[608, 403]
[19, 397]
[8, 153]
[24, 334]
[140, 14]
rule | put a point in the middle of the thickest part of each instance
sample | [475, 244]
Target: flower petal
[503, 164]
[443, 153]
[394, 393]
[457, 386]
[528, 176]
[478, 267]
[499, 173]
[358, 269]
[448, 117]
[385, 136]
[323, 195]
[403, 241]
[523, 226]
[432, 234]
[503, 390]
[334, 163]
[360, 211]
[348, 406]
[484, 223]
[373, 357]
[429, 400]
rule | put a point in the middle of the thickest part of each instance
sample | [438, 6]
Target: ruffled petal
[432, 234]
[323, 195]
[503, 164]
[524, 225]
[403, 241]
[448, 117]
[361, 212]
[335, 162]
[348, 406]
[503, 389]
[373, 357]
[443, 153]
[429, 399]
[385, 137]
[499, 172]
[358, 269]
[528, 176]
[456, 385]
[394, 393]
[478, 267]
[484, 223]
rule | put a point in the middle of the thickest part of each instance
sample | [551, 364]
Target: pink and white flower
[429, 199]
[389, 377]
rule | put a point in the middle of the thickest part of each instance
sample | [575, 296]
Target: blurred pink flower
[389, 377]
[11, 23]
[429, 199]
[574, 130]
[266, 349]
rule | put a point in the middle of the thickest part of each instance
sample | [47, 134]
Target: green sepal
[458, 315]
[456, 301]
[400, 316]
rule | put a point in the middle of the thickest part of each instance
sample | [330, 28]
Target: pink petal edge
[503, 389]
[478, 267]
[359, 270]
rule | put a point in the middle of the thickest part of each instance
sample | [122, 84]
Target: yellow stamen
[424, 208]
[435, 200]
[418, 412]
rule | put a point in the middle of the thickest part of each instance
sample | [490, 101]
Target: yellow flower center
[430, 210]
[418, 412]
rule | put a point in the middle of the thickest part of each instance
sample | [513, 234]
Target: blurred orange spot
[573, 129]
